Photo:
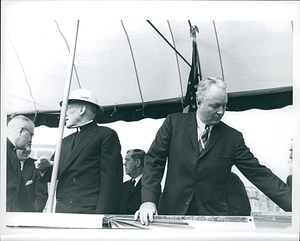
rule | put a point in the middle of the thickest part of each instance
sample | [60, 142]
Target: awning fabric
[256, 59]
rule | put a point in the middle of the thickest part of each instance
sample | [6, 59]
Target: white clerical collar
[78, 126]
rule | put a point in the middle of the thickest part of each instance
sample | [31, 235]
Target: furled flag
[190, 104]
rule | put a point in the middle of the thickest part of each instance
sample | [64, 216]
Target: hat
[86, 96]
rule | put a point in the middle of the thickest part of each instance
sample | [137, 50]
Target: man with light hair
[201, 150]
[19, 135]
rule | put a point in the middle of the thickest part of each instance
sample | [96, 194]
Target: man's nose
[29, 140]
[221, 110]
[28, 148]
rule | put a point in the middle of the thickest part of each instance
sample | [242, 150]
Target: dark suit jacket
[205, 174]
[289, 181]
[38, 191]
[15, 184]
[90, 175]
[236, 197]
[131, 202]
[13, 176]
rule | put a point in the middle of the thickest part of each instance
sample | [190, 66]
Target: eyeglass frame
[28, 131]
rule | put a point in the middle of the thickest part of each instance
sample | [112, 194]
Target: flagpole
[50, 207]
[190, 103]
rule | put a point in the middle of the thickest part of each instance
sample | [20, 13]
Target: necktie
[132, 185]
[204, 137]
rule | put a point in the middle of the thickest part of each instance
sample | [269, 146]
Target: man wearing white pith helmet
[90, 173]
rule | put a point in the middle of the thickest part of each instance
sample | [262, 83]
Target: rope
[115, 109]
[69, 52]
[137, 77]
[219, 50]
[169, 44]
[30, 91]
[143, 108]
[176, 56]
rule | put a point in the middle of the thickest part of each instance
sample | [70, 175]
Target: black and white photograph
[157, 120]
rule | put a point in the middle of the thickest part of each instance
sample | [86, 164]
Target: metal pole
[61, 125]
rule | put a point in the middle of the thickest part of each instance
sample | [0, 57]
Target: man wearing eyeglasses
[19, 134]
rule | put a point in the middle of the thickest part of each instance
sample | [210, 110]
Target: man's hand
[42, 163]
[147, 210]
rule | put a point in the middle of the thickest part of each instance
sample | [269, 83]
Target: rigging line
[30, 91]
[137, 77]
[115, 109]
[69, 52]
[176, 56]
[219, 50]
[169, 43]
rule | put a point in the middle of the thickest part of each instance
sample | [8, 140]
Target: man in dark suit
[37, 191]
[90, 172]
[201, 151]
[130, 200]
[236, 197]
[19, 135]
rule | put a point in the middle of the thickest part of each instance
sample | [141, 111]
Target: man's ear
[82, 109]
[138, 162]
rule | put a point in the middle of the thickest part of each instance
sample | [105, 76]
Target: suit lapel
[192, 130]
[13, 158]
[87, 136]
[136, 188]
[214, 136]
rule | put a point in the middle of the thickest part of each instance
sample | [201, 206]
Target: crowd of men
[198, 149]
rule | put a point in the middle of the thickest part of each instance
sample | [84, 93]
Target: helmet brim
[100, 109]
